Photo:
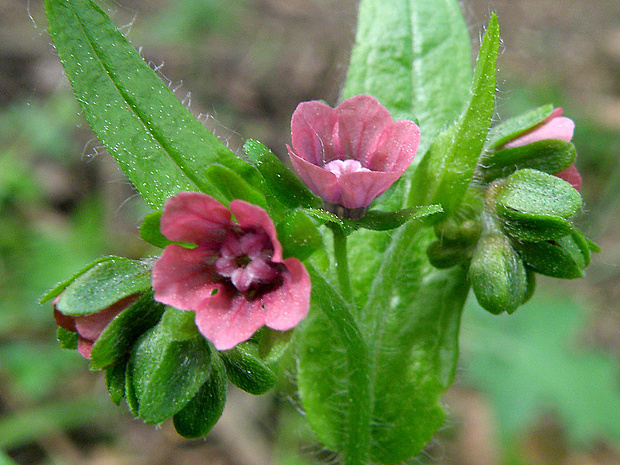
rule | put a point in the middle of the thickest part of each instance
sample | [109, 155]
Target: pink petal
[184, 278]
[287, 305]
[361, 120]
[397, 147]
[85, 347]
[90, 327]
[313, 126]
[320, 181]
[229, 320]
[250, 216]
[361, 188]
[64, 321]
[571, 176]
[194, 218]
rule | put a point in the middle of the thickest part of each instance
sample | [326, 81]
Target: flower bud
[89, 327]
[498, 275]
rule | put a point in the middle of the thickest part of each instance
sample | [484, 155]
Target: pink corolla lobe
[90, 327]
[351, 154]
[555, 126]
[235, 278]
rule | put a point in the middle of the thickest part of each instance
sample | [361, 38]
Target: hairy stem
[342, 262]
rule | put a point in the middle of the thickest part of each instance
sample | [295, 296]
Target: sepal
[549, 155]
[299, 235]
[167, 367]
[514, 127]
[100, 285]
[122, 332]
[534, 206]
[67, 339]
[285, 186]
[150, 230]
[565, 257]
[202, 412]
[247, 370]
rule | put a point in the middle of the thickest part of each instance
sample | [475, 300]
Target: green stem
[342, 262]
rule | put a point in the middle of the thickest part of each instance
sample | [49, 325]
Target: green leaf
[410, 328]
[283, 183]
[123, 331]
[531, 362]
[103, 284]
[516, 126]
[161, 147]
[446, 171]
[204, 410]
[549, 155]
[415, 58]
[411, 320]
[333, 372]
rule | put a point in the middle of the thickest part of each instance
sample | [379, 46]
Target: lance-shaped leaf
[159, 145]
[446, 171]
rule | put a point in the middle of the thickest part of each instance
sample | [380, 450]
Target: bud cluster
[515, 220]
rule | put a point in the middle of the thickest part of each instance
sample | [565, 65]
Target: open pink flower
[90, 327]
[350, 154]
[555, 126]
[235, 278]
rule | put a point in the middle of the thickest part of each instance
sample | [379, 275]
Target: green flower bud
[498, 275]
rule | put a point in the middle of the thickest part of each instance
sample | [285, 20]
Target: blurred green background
[539, 387]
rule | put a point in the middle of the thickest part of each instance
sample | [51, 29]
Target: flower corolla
[235, 278]
[351, 154]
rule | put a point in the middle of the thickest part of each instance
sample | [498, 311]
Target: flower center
[245, 258]
[340, 167]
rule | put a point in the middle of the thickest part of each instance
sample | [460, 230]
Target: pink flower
[555, 126]
[350, 154]
[235, 278]
[90, 327]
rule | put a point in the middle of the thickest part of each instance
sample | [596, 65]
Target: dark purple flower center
[245, 258]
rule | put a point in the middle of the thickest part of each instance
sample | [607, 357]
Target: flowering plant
[256, 258]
